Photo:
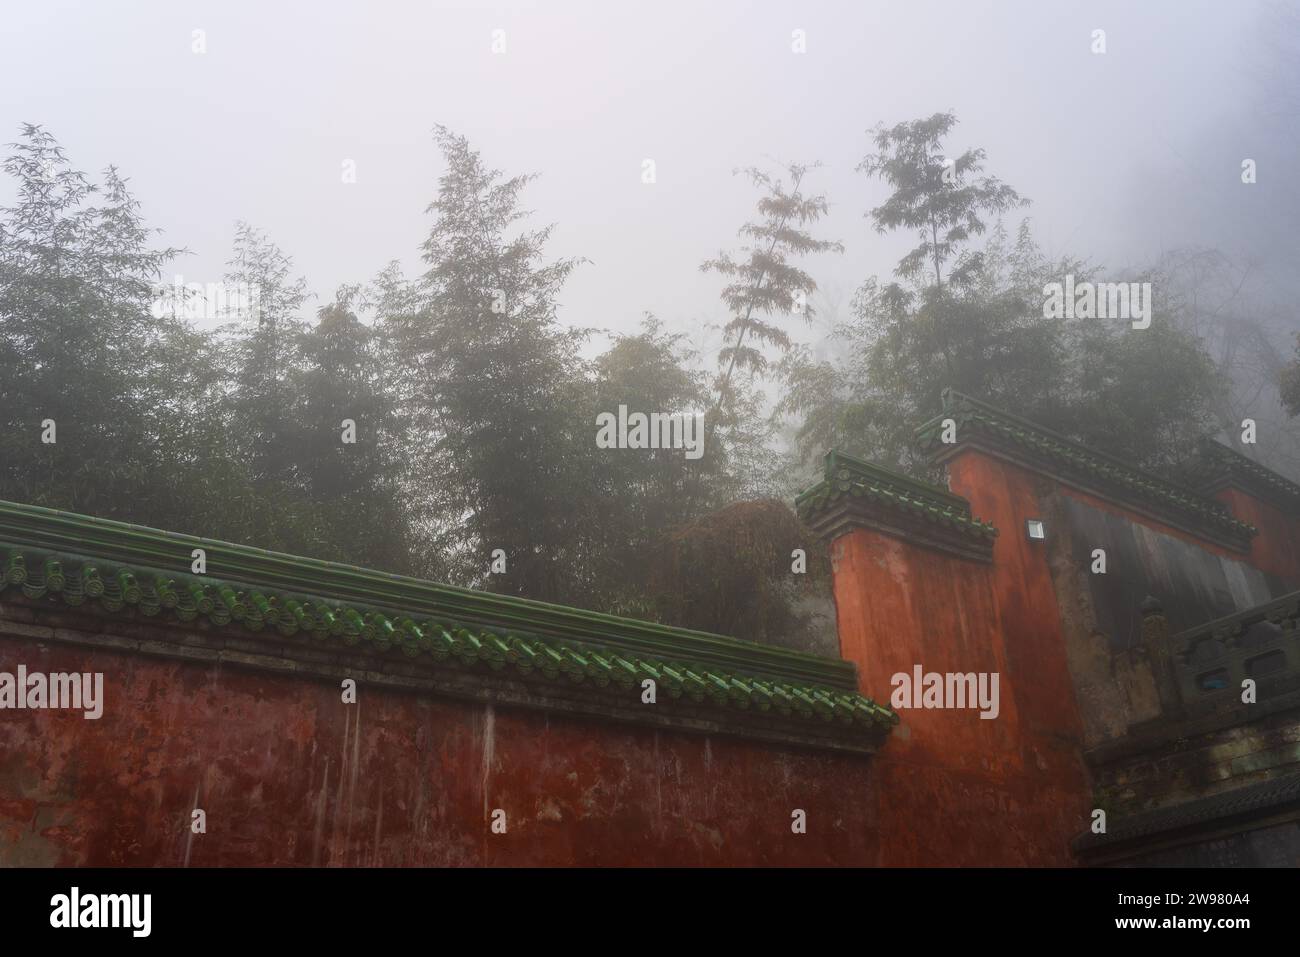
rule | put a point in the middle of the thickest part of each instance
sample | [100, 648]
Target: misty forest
[474, 401]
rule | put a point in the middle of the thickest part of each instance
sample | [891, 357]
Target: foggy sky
[1123, 154]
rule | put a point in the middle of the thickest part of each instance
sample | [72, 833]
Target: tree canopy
[444, 424]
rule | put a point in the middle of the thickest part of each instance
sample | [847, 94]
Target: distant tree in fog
[764, 282]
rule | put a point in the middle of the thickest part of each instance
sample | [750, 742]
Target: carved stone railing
[1203, 670]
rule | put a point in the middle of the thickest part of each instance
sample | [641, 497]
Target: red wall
[959, 789]
[289, 775]
[1005, 495]
[956, 789]
[979, 478]
[1276, 548]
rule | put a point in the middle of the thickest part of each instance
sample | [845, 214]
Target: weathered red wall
[1006, 495]
[288, 775]
[1276, 548]
[956, 789]
[1138, 518]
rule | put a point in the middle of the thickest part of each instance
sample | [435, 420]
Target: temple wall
[1068, 644]
[957, 789]
[289, 775]
[1105, 700]
[1095, 617]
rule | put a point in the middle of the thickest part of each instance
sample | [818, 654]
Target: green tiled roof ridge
[846, 476]
[109, 540]
[951, 397]
[113, 586]
[1093, 460]
[919, 490]
[1237, 462]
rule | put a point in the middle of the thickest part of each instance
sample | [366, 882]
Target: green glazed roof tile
[112, 588]
[847, 478]
[106, 546]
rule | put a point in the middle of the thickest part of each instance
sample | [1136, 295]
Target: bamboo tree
[764, 283]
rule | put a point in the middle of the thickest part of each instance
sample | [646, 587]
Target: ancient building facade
[1123, 613]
